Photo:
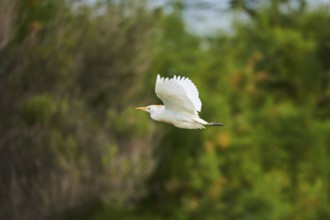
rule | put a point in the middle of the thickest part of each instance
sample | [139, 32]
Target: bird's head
[150, 108]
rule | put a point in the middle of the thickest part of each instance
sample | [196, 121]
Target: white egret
[181, 104]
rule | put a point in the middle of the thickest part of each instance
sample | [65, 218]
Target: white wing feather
[178, 94]
[191, 91]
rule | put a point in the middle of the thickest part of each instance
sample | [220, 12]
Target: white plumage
[178, 93]
[181, 103]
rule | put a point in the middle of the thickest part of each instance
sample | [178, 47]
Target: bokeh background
[73, 147]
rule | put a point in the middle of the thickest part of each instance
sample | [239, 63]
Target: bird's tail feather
[215, 124]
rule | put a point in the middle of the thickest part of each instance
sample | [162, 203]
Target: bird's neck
[159, 114]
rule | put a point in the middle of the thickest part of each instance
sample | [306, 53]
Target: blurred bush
[70, 75]
[39, 109]
[268, 83]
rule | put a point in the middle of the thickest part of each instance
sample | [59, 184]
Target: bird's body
[181, 104]
[178, 119]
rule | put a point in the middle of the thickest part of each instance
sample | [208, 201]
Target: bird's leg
[215, 124]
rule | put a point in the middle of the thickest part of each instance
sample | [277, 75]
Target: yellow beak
[141, 108]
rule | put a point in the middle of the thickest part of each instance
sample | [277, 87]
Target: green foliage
[38, 109]
[65, 80]
[265, 81]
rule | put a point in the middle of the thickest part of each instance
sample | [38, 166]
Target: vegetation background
[73, 147]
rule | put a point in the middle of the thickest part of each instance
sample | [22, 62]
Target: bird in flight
[181, 104]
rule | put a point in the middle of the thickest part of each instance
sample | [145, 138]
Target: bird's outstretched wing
[178, 93]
